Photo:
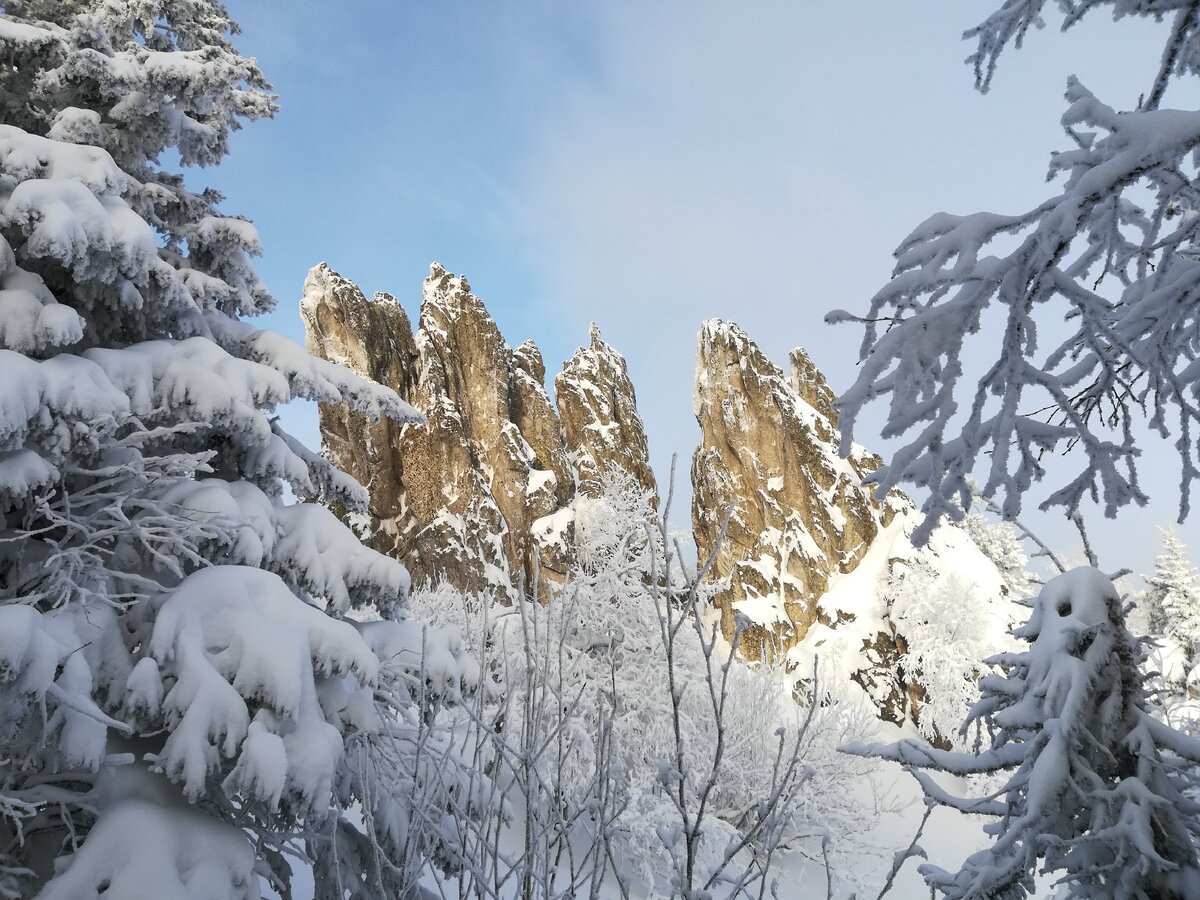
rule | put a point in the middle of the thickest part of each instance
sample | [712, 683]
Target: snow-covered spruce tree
[1111, 251]
[179, 679]
[1094, 784]
[1170, 606]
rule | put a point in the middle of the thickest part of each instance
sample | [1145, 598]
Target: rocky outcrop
[798, 514]
[374, 339]
[598, 408]
[481, 492]
[486, 489]
[811, 567]
[468, 370]
[429, 504]
[810, 385]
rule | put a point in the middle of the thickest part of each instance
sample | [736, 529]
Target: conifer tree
[1172, 599]
[180, 678]
[1095, 787]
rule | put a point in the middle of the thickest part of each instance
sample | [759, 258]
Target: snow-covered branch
[1110, 253]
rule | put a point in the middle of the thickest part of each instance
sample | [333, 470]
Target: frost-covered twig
[1043, 550]
[1121, 272]
[902, 856]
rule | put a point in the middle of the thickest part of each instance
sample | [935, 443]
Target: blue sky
[648, 165]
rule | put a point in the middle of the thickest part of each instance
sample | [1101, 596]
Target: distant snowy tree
[1000, 543]
[184, 698]
[1146, 617]
[946, 634]
[1172, 600]
[1112, 252]
[1094, 788]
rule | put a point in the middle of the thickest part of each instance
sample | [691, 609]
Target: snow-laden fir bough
[184, 697]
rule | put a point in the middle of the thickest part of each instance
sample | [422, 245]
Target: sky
[649, 165]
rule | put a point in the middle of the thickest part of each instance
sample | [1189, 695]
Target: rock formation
[483, 488]
[802, 566]
[598, 408]
[768, 452]
[487, 487]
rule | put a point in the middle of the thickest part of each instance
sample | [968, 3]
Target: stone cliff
[768, 454]
[480, 493]
[598, 409]
[486, 489]
[810, 561]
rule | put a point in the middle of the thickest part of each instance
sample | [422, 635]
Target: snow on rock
[598, 407]
[431, 501]
[771, 457]
[819, 568]
[460, 495]
[909, 626]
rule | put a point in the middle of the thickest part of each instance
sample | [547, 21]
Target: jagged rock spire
[598, 409]
[809, 383]
[769, 450]
[485, 485]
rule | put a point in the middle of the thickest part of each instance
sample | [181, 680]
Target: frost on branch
[181, 692]
[1094, 786]
[1122, 273]
[307, 376]
[1011, 24]
[948, 624]
[628, 738]
[304, 543]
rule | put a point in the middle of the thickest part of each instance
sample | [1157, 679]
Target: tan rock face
[598, 408]
[804, 565]
[810, 384]
[537, 421]
[768, 453]
[467, 367]
[373, 338]
[484, 487]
